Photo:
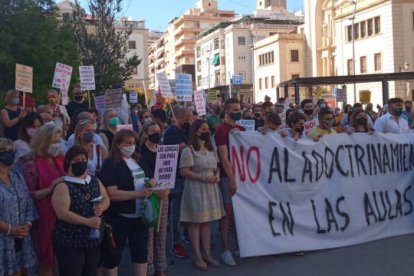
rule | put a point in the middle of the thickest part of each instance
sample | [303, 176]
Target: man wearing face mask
[392, 122]
[78, 102]
[325, 127]
[308, 109]
[228, 184]
[111, 121]
[407, 113]
[177, 134]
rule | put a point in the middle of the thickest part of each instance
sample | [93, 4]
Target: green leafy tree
[32, 35]
[102, 42]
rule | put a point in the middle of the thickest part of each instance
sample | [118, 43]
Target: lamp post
[353, 2]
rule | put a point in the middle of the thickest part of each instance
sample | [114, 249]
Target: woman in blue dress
[17, 212]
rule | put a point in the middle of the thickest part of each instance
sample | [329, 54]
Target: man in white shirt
[392, 122]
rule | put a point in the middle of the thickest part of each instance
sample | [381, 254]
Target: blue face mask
[7, 157]
[15, 101]
[88, 137]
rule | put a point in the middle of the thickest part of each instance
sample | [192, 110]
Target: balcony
[187, 29]
[185, 40]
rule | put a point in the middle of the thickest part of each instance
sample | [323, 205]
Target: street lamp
[353, 2]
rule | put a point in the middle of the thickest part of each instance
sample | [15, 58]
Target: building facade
[180, 37]
[226, 50]
[381, 41]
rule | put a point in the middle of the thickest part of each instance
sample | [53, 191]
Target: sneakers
[179, 251]
[227, 258]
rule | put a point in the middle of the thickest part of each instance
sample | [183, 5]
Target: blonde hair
[43, 139]
[6, 145]
[52, 91]
[10, 95]
[79, 126]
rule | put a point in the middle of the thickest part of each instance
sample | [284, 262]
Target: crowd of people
[72, 185]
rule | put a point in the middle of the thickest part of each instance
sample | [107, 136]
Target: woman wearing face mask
[123, 174]
[17, 213]
[157, 259]
[27, 130]
[11, 115]
[111, 121]
[78, 230]
[296, 127]
[40, 174]
[84, 137]
[59, 111]
[145, 118]
[360, 123]
[202, 201]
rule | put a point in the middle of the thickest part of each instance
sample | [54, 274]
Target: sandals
[211, 261]
[200, 264]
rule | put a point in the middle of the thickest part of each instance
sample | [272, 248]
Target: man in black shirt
[78, 102]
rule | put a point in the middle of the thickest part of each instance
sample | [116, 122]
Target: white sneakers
[227, 258]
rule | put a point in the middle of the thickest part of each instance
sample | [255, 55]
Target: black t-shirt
[75, 106]
[149, 156]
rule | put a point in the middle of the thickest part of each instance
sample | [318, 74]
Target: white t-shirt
[139, 184]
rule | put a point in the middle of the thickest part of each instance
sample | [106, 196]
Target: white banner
[164, 85]
[301, 195]
[87, 77]
[166, 166]
[200, 102]
[249, 125]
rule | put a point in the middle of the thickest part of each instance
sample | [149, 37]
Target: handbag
[108, 244]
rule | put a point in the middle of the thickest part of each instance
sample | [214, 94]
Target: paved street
[392, 256]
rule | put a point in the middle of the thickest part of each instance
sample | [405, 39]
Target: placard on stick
[113, 98]
[87, 78]
[164, 85]
[184, 87]
[200, 102]
[24, 78]
[166, 166]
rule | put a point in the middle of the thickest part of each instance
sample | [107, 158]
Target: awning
[216, 59]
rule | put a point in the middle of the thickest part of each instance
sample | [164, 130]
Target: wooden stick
[159, 216]
[89, 98]
[24, 100]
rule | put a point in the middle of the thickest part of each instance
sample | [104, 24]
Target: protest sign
[133, 97]
[127, 127]
[100, 104]
[62, 76]
[87, 77]
[309, 125]
[113, 98]
[184, 87]
[340, 94]
[365, 96]
[164, 85]
[200, 102]
[302, 195]
[172, 85]
[24, 78]
[166, 166]
[247, 124]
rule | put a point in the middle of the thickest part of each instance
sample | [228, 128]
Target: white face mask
[127, 151]
[54, 149]
[147, 120]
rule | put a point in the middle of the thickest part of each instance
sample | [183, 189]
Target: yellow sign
[212, 96]
[365, 96]
[24, 78]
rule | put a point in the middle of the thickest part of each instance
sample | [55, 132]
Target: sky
[157, 13]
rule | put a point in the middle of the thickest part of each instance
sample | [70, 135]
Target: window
[350, 67]
[356, 31]
[294, 55]
[216, 60]
[260, 84]
[266, 79]
[377, 24]
[349, 33]
[272, 81]
[363, 29]
[199, 66]
[198, 80]
[132, 45]
[363, 64]
[377, 62]
[198, 50]
[370, 27]
[223, 60]
[241, 40]
[222, 44]
[295, 76]
[216, 43]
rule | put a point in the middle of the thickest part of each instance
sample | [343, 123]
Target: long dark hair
[353, 120]
[71, 154]
[27, 122]
[193, 139]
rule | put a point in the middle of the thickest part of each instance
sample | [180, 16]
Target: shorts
[133, 230]
[225, 190]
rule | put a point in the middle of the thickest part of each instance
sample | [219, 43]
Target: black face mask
[308, 111]
[300, 129]
[204, 136]
[78, 98]
[7, 157]
[79, 168]
[185, 126]
[361, 121]
[155, 138]
[257, 115]
[408, 109]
